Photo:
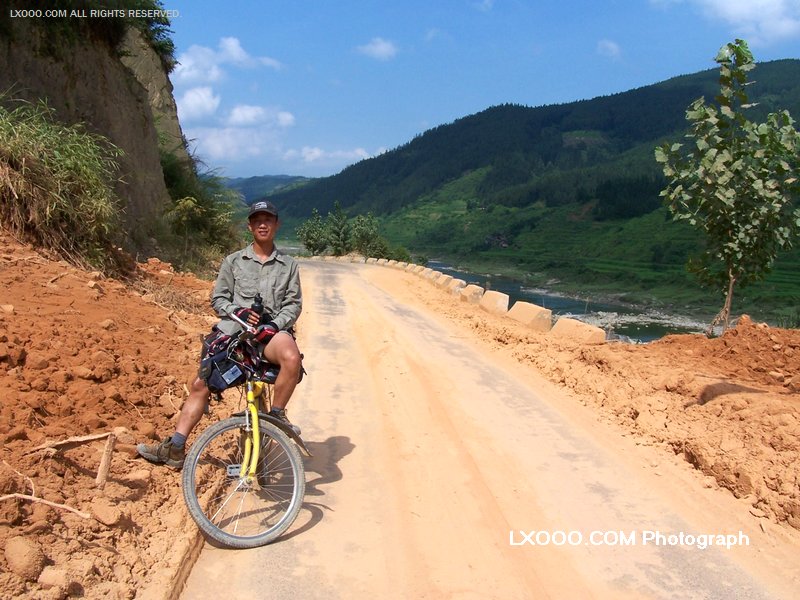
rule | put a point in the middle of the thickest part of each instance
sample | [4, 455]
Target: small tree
[735, 181]
[338, 228]
[186, 215]
[313, 234]
[364, 236]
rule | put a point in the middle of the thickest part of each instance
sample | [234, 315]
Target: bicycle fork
[252, 443]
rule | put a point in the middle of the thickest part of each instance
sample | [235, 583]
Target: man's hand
[247, 315]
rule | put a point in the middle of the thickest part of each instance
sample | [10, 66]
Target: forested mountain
[593, 149]
[253, 188]
[563, 196]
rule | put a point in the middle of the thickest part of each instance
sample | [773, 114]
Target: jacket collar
[250, 253]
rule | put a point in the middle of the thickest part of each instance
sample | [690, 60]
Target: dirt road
[435, 460]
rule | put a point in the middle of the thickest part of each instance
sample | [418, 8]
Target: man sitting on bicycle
[260, 268]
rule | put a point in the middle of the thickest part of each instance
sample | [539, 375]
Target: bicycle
[243, 478]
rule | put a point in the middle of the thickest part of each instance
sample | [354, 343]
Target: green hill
[565, 194]
[254, 188]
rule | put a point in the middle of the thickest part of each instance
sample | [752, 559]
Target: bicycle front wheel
[236, 511]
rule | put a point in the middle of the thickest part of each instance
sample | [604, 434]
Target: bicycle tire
[224, 506]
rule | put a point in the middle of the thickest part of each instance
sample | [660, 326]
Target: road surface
[440, 471]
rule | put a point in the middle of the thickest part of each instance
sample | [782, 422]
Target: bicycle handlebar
[253, 332]
[247, 327]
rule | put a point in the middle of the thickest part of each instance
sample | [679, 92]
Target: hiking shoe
[280, 414]
[164, 453]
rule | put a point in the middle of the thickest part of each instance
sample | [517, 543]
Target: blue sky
[310, 87]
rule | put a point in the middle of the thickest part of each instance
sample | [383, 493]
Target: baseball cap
[262, 206]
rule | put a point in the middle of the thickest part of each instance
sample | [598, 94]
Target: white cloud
[284, 118]
[197, 65]
[314, 154]
[231, 51]
[244, 115]
[232, 144]
[379, 49]
[260, 149]
[761, 21]
[432, 34]
[200, 64]
[197, 103]
[758, 21]
[609, 49]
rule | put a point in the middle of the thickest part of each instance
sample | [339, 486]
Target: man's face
[263, 226]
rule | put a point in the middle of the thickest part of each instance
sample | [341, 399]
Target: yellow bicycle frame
[252, 444]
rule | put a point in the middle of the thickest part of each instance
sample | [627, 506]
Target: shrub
[56, 185]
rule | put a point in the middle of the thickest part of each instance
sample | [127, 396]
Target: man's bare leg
[193, 407]
[282, 350]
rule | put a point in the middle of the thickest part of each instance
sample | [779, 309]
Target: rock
[139, 478]
[7, 308]
[124, 435]
[81, 372]
[93, 285]
[19, 432]
[147, 430]
[108, 324]
[24, 558]
[777, 376]
[37, 363]
[105, 513]
[127, 449]
[51, 577]
[112, 393]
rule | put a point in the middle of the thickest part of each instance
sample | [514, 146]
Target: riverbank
[622, 319]
[680, 307]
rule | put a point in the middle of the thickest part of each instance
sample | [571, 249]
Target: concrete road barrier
[494, 302]
[535, 317]
[471, 294]
[456, 285]
[443, 281]
[578, 331]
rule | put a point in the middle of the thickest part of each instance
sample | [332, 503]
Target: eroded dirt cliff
[84, 80]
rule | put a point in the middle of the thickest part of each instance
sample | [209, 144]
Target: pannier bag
[216, 369]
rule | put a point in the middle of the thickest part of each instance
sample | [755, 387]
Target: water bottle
[258, 304]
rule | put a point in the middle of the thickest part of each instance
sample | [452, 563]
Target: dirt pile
[729, 405]
[79, 356]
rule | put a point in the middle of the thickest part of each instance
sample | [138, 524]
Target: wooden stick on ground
[70, 441]
[105, 462]
[43, 501]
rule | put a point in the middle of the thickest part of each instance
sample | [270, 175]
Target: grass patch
[56, 185]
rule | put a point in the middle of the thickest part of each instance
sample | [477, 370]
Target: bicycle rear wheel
[229, 509]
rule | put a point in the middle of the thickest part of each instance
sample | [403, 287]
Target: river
[620, 321]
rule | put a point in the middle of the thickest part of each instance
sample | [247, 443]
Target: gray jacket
[242, 275]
